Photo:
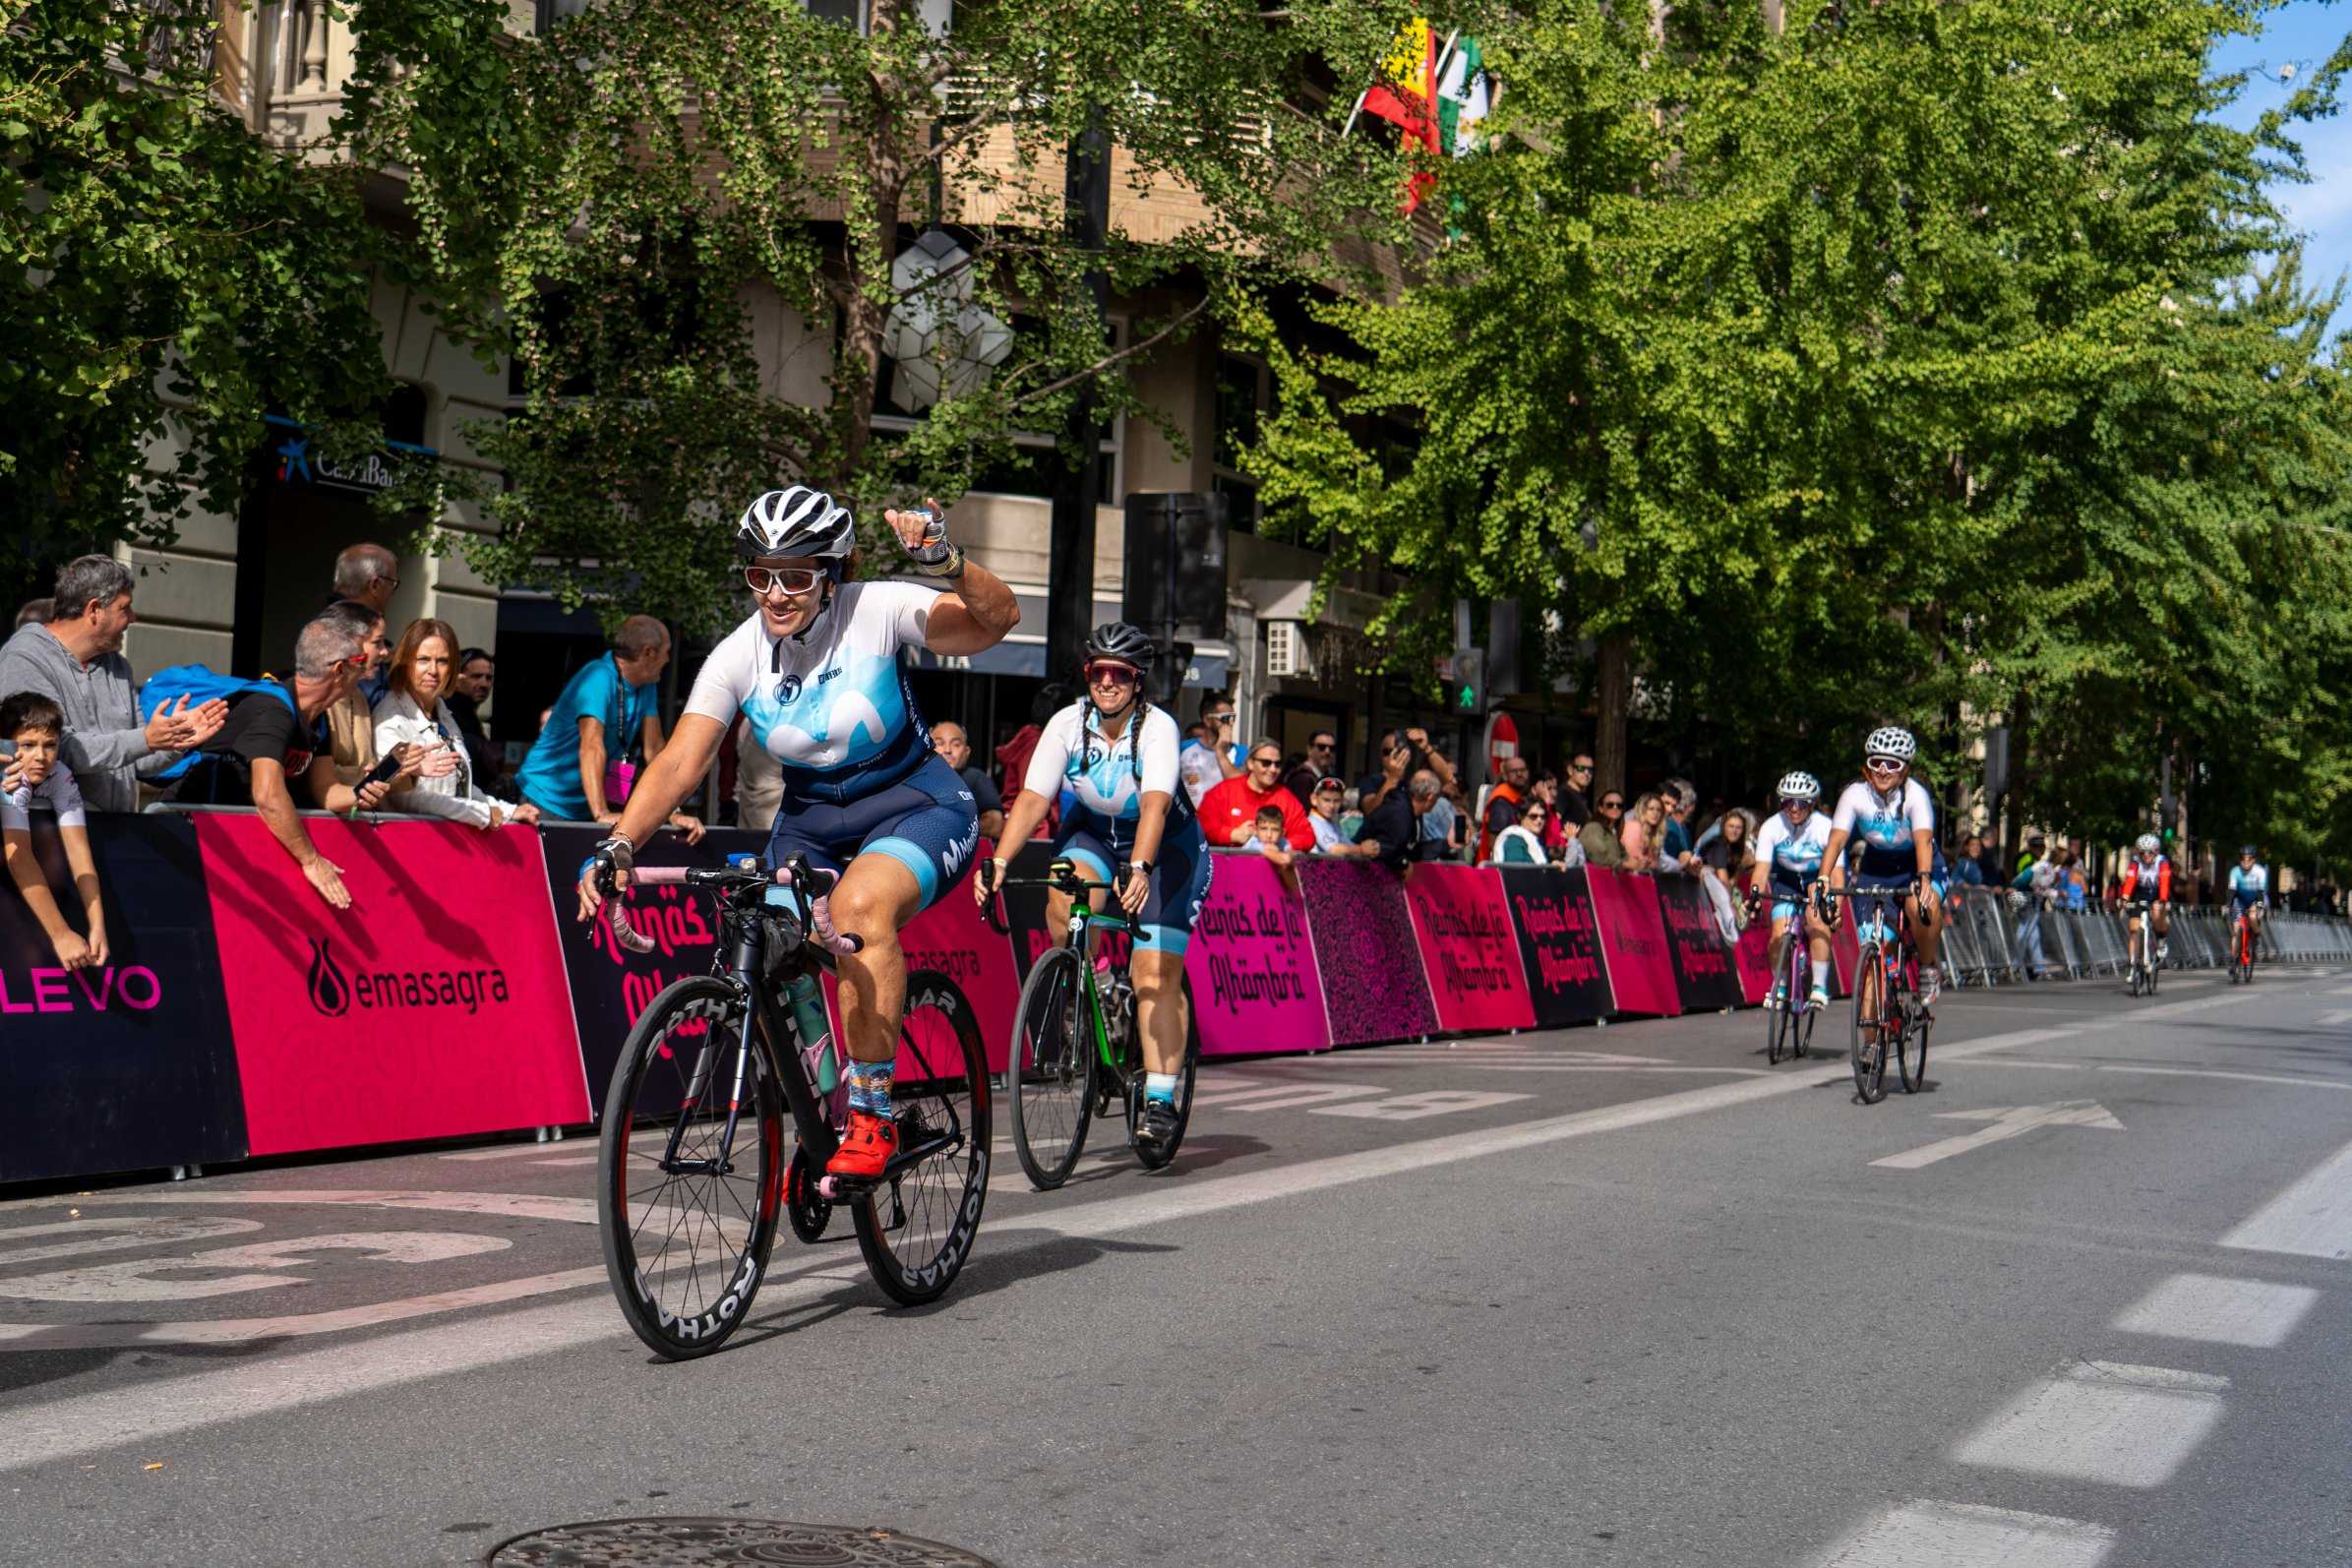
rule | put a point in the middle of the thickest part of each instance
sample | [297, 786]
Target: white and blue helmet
[1799, 786]
[1890, 741]
[799, 521]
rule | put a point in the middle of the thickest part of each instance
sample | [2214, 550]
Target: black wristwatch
[1143, 865]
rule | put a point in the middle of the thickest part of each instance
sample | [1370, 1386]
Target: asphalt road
[1620, 1296]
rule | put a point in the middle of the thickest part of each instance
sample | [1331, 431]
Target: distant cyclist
[1129, 824]
[2147, 884]
[817, 670]
[1888, 813]
[2250, 887]
[1788, 850]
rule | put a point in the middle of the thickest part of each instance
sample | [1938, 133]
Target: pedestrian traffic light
[1465, 692]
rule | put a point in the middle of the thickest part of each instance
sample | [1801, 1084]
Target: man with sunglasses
[1574, 806]
[1129, 824]
[1228, 813]
[1789, 847]
[1888, 815]
[816, 668]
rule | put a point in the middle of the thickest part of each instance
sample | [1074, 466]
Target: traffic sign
[1503, 743]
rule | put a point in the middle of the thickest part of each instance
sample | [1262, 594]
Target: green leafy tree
[614, 202]
[165, 278]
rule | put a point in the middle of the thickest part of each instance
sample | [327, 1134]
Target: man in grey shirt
[75, 660]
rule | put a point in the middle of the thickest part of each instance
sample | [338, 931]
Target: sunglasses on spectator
[796, 580]
[1265, 762]
[1320, 746]
[1107, 672]
[1612, 805]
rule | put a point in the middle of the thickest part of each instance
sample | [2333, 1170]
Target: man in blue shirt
[608, 709]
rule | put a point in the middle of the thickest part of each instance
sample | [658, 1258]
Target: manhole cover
[702, 1543]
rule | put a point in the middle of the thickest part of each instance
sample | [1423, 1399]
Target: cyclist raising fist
[816, 671]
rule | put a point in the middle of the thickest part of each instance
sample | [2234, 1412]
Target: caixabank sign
[433, 1006]
[124, 1064]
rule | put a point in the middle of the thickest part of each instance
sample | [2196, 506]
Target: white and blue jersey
[833, 707]
[1882, 825]
[1102, 784]
[1793, 853]
[2250, 886]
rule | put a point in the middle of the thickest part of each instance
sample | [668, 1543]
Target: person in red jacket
[1228, 812]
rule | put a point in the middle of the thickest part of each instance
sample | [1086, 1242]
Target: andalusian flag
[1465, 94]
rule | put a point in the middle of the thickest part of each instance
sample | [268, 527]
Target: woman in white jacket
[414, 711]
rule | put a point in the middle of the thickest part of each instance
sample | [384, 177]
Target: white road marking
[504, 1150]
[245, 1330]
[2101, 1422]
[1263, 1095]
[1429, 1102]
[155, 1279]
[118, 1235]
[2220, 1311]
[89, 1423]
[514, 1205]
[2007, 1121]
[2335, 1016]
[2312, 1219]
[1578, 1067]
[1929, 1535]
[2166, 1072]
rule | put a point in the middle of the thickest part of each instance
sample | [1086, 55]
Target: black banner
[1704, 973]
[127, 1067]
[1567, 976]
[610, 985]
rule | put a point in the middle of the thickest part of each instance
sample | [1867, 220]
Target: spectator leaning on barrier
[1601, 845]
[1520, 842]
[351, 720]
[587, 754]
[1503, 805]
[413, 715]
[1228, 812]
[267, 742]
[35, 726]
[1643, 832]
[74, 660]
[955, 749]
[1391, 832]
[1329, 802]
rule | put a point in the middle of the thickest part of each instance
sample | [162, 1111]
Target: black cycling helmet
[2247, 852]
[1118, 641]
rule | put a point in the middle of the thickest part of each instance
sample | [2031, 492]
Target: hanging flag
[1405, 94]
[1465, 94]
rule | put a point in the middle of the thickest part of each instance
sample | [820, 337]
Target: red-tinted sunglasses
[1115, 674]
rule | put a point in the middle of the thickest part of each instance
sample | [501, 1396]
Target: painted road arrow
[2007, 1121]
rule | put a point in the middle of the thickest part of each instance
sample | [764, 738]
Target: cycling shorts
[1789, 894]
[1179, 881]
[1866, 889]
[928, 822]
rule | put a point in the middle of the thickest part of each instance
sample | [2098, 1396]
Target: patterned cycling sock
[1160, 1086]
[870, 1087]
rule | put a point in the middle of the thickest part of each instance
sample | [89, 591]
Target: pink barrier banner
[1366, 949]
[1251, 968]
[1633, 941]
[1469, 948]
[1754, 955]
[435, 1006]
[950, 942]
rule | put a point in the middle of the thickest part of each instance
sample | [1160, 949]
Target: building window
[1245, 395]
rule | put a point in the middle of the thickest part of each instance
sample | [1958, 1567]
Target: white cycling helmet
[1890, 742]
[799, 521]
[1799, 786]
[2149, 844]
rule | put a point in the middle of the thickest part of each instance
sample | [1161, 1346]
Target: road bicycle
[1888, 1018]
[2241, 950]
[731, 1095]
[1076, 1050]
[2143, 969]
[1788, 1028]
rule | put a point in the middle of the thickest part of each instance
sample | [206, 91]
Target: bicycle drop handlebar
[819, 905]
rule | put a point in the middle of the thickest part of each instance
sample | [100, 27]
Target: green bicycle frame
[1084, 919]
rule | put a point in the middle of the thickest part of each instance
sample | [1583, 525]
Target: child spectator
[1269, 835]
[36, 726]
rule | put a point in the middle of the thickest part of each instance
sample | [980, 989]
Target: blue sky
[2302, 35]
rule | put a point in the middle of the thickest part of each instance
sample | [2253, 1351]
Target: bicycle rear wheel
[686, 1237]
[1155, 1157]
[916, 1226]
[1049, 1079]
[1869, 1027]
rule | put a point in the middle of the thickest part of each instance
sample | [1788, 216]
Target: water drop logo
[330, 991]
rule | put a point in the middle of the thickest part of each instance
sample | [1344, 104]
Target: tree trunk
[1616, 706]
[869, 247]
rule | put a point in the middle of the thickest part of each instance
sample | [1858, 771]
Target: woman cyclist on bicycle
[1788, 850]
[1131, 825]
[1889, 812]
[817, 670]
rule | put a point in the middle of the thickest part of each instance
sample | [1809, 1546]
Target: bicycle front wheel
[690, 1162]
[1780, 1026]
[1869, 1026]
[917, 1225]
[1049, 1079]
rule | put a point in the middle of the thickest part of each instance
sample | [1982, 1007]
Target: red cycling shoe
[865, 1149]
